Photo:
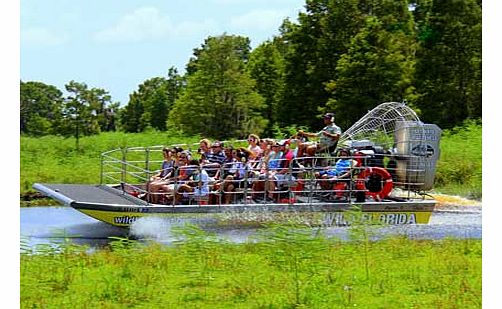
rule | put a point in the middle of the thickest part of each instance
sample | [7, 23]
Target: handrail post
[290, 180]
[245, 179]
[124, 167]
[101, 170]
[176, 174]
[147, 168]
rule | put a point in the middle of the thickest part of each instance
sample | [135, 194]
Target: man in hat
[328, 137]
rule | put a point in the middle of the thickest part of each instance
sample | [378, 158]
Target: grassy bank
[55, 159]
[460, 164]
[283, 270]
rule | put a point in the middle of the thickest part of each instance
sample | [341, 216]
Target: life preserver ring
[380, 192]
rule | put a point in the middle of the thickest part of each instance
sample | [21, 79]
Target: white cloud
[147, 23]
[40, 37]
[260, 20]
[143, 24]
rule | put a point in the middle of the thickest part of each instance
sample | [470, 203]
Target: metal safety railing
[131, 169]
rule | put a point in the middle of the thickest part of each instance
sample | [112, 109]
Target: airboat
[396, 157]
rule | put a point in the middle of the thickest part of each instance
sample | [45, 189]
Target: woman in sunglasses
[253, 141]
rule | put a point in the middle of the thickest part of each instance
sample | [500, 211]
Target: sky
[116, 45]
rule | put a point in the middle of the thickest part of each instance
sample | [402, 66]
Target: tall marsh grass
[460, 164]
[284, 268]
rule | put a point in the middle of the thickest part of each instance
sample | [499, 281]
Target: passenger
[236, 172]
[204, 149]
[328, 138]
[197, 185]
[269, 163]
[215, 158]
[229, 157]
[253, 141]
[166, 167]
[341, 170]
[216, 155]
[258, 162]
[162, 177]
[282, 175]
[240, 165]
[225, 166]
[266, 146]
[180, 175]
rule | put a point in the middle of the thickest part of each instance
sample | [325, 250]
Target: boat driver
[328, 138]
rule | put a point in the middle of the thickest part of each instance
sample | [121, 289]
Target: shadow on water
[48, 225]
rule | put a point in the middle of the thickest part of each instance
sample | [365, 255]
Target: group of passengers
[265, 165]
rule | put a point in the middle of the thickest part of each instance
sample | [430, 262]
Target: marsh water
[48, 225]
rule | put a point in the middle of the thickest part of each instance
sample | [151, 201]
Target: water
[45, 225]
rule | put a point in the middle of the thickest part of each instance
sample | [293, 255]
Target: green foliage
[285, 268]
[375, 69]
[40, 108]
[314, 47]
[150, 105]
[266, 67]
[448, 61]
[459, 169]
[219, 100]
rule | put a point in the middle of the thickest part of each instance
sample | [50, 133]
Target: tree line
[342, 56]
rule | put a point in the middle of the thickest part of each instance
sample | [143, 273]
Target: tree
[149, 106]
[377, 68]
[315, 45]
[40, 108]
[86, 111]
[266, 67]
[220, 100]
[130, 115]
[448, 70]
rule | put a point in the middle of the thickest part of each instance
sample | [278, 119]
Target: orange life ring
[386, 178]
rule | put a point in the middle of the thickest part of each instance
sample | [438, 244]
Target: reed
[282, 268]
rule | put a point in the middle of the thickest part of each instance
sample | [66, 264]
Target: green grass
[284, 269]
[55, 160]
[460, 163]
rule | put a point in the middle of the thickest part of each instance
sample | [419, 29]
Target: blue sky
[116, 45]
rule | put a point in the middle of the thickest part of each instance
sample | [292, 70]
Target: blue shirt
[341, 166]
[274, 161]
[166, 167]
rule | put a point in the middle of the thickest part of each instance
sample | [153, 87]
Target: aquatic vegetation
[284, 267]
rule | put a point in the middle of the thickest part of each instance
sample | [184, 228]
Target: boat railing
[131, 169]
